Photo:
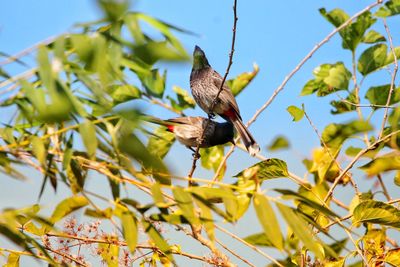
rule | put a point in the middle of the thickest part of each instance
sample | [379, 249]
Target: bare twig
[392, 83]
[196, 157]
[292, 73]
[234, 253]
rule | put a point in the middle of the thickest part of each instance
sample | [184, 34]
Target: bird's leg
[195, 156]
[211, 116]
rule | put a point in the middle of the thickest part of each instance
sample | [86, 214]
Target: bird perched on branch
[205, 83]
[188, 131]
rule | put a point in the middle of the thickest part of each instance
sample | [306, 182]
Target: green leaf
[267, 169]
[335, 134]
[378, 95]
[154, 82]
[45, 70]
[130, 230]
[124, 93]
[382, 164]
[373, 37]
[206, 219]
[160, 144]
[280, 142]
[372, 59]
[390, 56]
[184, 99]
[88, 133]
[377, 212]
[329, 78]
[259, 239]
[240, 82]
[390, 8]
[342, 107]
[152, 52]
[296, 112]
[301, 230]
[68, 206]
[268, 220]
[185, 204]
[353, 33]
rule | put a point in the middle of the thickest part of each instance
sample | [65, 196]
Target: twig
[234, 253]
[23, 75]
[67, 256]
[248, 244]
[394, 73]
[292, 73]
[195, 158]
[355, 159]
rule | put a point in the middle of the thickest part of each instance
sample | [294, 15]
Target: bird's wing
[226, 94]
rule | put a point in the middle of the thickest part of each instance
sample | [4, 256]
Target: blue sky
[274, 34]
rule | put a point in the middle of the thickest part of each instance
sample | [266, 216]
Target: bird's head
[199, 59]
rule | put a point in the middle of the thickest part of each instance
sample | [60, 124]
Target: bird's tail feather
[248, 140]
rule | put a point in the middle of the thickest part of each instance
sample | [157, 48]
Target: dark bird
[205, 83]
[188, 131]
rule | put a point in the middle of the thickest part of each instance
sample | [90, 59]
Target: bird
[188, 131]
[205, 83]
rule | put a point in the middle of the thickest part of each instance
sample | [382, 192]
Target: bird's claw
[211, 116]
[196, 156]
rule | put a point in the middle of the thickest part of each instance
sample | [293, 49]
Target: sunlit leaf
[267, 169]
[88, 133]
[377, 212]
[124, 93]
[39, 149]
[266, 216]
[393, 257]
[382, 164]
[390, 8]
[151, 52]
[211, 157]
[301, 230]
[129, 230]
[346, 105]
[295, 112]
[154, 82]
[373, 37]
[260, 239]
[374, 244]
[185, 203]
[184, 99]
[67, 206]
[240, 82]
[372, 59]
[335, 134]
[280, 142]
[157, 238]
[161, 142]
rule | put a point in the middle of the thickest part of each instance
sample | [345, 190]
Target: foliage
[76, 116]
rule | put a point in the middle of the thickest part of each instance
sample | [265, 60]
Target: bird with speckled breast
[205, 83]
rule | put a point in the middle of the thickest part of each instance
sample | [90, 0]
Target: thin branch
[234, 253]
[292, 73]
[248, 244]
[196, 157]
[355, 159]
[394, 73]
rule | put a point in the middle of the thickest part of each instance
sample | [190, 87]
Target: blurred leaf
[373, 37]
[372, 59]
[296, 112]
[280, 142]
[68, 206]
[88, 133]
[124, 93]
[390, 56]
[109, 252]
[266, 216]
[378, 95]
[184, 99]
[390, 8]
[12, 260]
[114, 10]
[329, 78]
[382, 164]
[260, 239]
[152, 52]
[267, 169]
[39, 149]
[101, 214]
[353, 33]
[206, 219]
[130, 230]
[185, 204]
[211, 157]
[154, 82]
[135, 148]
[301, 230]
[335, 262]
[240, 82]
[157, 238]
[45, 70]
[335, 134]
[393, 257]
[374, 245]
[160, 143]
[377, 212]
[397, 178]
